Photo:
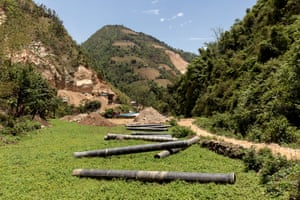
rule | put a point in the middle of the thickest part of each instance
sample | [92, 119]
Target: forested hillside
[248, 81]
[136, 63]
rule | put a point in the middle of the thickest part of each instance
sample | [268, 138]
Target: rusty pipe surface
[159, 176]
[139, 137]
[137, 148]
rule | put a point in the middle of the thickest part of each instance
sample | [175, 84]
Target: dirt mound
[150, 115]
[93, 119]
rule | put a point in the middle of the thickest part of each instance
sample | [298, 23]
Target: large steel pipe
[159, 176]
[146, 128]
[166, 153]
[148, 125]
[110, 136]
[137, 148]
[165, 134]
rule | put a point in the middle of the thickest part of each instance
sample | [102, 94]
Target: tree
[30, 93]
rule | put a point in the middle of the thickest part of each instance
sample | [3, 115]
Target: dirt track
[290, 154]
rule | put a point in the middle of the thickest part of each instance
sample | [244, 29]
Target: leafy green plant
[181, 132]
[109, 113]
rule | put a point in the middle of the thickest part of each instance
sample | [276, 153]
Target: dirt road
[290, 154]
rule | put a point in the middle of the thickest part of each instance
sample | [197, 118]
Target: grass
[41, 164]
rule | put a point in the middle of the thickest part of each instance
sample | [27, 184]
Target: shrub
[109, 113]
[20, 126]
[180, 132]
[173, 122]
[90, 106]
[278, 131]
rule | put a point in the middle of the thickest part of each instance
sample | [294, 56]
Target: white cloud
[180, 14]
[162, 19]
[151, 12]
[154, 1]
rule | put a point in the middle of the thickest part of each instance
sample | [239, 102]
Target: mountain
[134, 61]
[248, 81]
[32, 34]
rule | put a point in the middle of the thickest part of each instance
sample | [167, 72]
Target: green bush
[109, 113]
[271, 165]
[90, 106]
[257, 160]
[181, 132]
[286, 182]
[173, 122]
[20, 126]
[277, 130]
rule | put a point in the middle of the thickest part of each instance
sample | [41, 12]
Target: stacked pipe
[110, 136]
[137, 148]
[148, 127]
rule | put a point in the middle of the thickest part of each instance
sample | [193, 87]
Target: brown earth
[177, 61]
[163, 82]
[148, 73]
[77, 98]
[127, 31]
[124, 44]
[289, 153]
[150, 115]
[175, 58]
[93, 119]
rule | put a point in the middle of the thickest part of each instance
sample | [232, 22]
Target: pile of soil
[149, 115]
[93, 119]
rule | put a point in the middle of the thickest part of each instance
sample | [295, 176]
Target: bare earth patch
[127, 31]
[124, 44]
[148, 73]
[93, 119]
[77, 98]
[178, 61]
[162, 82]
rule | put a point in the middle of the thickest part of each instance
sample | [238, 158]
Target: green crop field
[40, 166]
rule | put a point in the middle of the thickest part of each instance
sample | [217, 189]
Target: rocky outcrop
[83, 79]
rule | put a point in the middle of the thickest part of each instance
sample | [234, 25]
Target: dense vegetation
[247, 82]
[41, 164]
[134, 63]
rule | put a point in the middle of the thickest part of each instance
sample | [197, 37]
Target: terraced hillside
[135, 62]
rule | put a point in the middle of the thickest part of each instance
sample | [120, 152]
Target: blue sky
[185, 25]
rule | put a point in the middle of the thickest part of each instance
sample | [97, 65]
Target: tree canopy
[248, 80]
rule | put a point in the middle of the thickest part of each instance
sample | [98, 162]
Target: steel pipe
[166, 153]
[139, 137]
[137, 148]
[146, 128]
[148, 125]
[165, 134]
[159, 176]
